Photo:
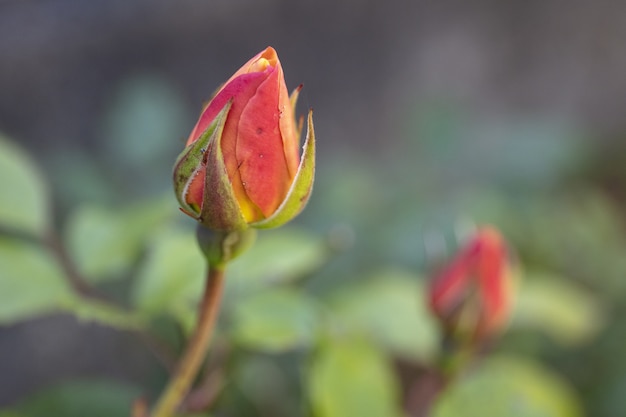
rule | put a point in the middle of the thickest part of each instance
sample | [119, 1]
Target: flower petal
[288, 125]
[300, 189]
[494, 280]
[260, 153]
[240, 88]
[449, 288]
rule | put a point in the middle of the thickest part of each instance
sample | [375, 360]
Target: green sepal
[220, 208]
[188, 165]
[300, 189]
[220, 247]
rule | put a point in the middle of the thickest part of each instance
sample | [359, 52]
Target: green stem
[189, 364]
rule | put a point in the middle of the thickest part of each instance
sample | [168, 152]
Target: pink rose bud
[472, 295]
[241, 166]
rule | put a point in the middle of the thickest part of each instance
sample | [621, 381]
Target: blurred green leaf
[105, 243]
[91, 310]
[508, 387]
[265, 384]
[144, 118]
[91, 398]
[349, 190]
[580, 235]
[390, 308]
[559, 308]
[171, 278]
[24, 202]
[275, 321]
[7, 413]
[31, 282]
[144, 128]
[278, 256]
[77, 176]
[352, 379]
[609, 390]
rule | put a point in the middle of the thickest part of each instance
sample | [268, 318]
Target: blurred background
[431, 118]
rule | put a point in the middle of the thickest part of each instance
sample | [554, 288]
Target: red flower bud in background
[241, 166]
[472, 295]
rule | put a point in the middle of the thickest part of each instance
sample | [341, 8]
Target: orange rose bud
[241, 167]
[472, 295]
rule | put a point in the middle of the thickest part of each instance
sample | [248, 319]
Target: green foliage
[352, 378]
[31, 282]
[579, 234]
[390, 309]
[170, 279]
[264, 383]
[278, 257]
[23, 195]
[105, 244]
[560, 309]
[508, 387]
[143, 129]
[275, 321]
[96, 398]
[94, 310]
[144, 109]
[305, 330]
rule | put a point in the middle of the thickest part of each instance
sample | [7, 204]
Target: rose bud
[472, 295]
[241, 166]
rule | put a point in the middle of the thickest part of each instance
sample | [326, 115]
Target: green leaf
[266, 384]
[90, 310]
[24, 205]
[278, 256]
[390, 308]
[31, 282]
[81, 398]
[352, 379]
[8, 413]
[508, 387]
[171, 278]
[275, 321]
[559, 308]
[106, 243]
[145, 116]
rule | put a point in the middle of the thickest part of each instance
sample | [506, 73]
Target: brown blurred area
[362, 62]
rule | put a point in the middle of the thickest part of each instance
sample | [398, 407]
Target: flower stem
[195, 352]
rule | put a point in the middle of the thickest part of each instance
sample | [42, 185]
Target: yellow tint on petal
[268, 54]
[249, 211]
[260, 65]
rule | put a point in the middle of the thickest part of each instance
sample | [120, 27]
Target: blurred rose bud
[472, 295]
[241, 166]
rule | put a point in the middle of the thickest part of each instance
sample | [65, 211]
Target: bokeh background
[431, 117]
